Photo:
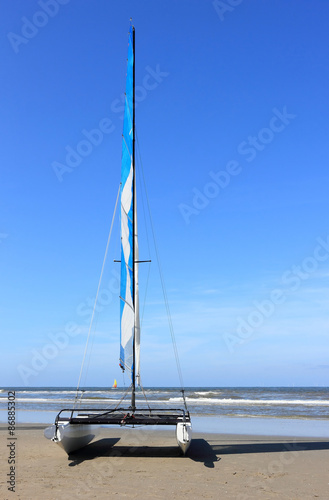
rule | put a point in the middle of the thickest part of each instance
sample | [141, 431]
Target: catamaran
[75, 428]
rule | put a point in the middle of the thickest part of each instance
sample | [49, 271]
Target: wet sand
[147, 464]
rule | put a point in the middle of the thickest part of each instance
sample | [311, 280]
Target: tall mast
[133, 405]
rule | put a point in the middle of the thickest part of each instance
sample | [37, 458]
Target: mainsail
[129, 315]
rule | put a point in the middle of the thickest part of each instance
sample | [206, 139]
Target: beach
[147, 464]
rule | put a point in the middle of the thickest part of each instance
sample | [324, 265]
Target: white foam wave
[31, 391]
[238, 402]
[207, 393]
[65, 401]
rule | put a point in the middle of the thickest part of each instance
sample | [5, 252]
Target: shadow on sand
[106, 448]
[101, 448]
[202, 451]
[199, 451]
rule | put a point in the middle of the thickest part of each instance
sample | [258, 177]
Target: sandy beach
[144, 464]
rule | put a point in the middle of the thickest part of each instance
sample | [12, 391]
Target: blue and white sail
[129, 315]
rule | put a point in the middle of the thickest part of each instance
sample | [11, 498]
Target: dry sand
[139, 464]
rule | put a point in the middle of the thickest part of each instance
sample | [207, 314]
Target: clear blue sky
[232, 119]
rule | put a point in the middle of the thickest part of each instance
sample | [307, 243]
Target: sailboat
[75, 428]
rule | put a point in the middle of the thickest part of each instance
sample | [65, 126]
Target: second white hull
[71, 437]
[184, 435]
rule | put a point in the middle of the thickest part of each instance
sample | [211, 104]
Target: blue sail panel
[127, 314]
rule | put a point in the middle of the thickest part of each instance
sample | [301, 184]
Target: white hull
[184, 435]
[71, 437]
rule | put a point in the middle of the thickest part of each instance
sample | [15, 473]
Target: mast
[133, 389]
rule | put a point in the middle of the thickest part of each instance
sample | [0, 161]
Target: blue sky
[232, 120]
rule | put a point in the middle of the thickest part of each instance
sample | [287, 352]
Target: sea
[211, 407]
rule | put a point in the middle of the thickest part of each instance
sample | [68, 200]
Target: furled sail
[128, 289]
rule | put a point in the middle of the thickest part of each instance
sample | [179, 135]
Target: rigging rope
[143, 303]
[96, 298]
[171, 328]
[144, 394]
[123, 397]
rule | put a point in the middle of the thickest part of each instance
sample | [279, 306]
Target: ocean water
[275, 402]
